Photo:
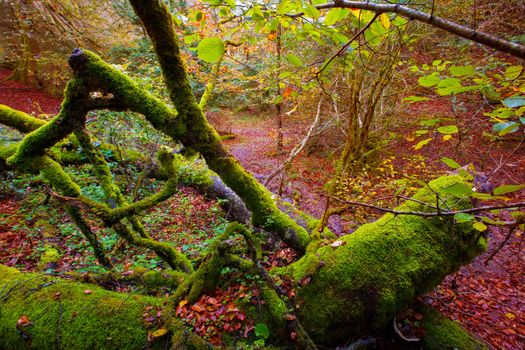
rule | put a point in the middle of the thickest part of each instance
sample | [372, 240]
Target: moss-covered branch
[442, 333]
[18, 120]
[188, 125]
[208, 90]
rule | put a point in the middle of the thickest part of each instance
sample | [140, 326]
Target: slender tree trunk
[278, 106]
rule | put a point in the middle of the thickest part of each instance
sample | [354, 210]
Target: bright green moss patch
[444, 334]
[67, 315]
[51, 255]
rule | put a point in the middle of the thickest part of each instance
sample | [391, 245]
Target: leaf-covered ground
[489, 300]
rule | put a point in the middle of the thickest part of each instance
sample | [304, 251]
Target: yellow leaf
[356, 13]
[447, 137]
[510, 316]
[159, 332]
[385, 21]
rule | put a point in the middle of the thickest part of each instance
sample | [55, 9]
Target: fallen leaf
[23, 321]
[338, 243]
[159, 332]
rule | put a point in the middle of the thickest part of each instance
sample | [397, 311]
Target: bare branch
[433, 214]
[295, 152]
[496, 43]
[345, 46]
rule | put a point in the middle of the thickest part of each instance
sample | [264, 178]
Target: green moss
[275, 308]
[50, 255]
[444, 334]
[359, 285]
[64, 316]
[19, 120]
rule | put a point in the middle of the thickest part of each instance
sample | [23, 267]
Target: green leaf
[190, 39]
[513, 102]
[486, 196]
[414, 99]
[223, 12]
[463, 217]
[284, 75]
[478, 225]
[507, 189]
[450, 162]
[294, 60]
[332, 16]
[284, 7]
[458, 189]
[448, 129]
[311, 11]
[420, 144]
[449, 82]
[492, 222]
[459, 71]
[214, 2]
[378, 29]
[199, 16]
[429, 80]
[505, 128]
[513, 72]
[262, 331]
[211, 49]
[429, 122]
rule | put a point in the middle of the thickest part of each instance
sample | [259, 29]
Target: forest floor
[487, 298]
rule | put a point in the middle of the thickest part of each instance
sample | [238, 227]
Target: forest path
[487, 300]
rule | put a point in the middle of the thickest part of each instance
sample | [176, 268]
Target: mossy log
[42, 312]
[356, 285]
[444, 334]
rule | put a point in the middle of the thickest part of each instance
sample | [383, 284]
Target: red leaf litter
[25, 98]
[16, 245]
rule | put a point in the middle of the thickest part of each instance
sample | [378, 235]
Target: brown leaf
[289, 317]
[23, 321]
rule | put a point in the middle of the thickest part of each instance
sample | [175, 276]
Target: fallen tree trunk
[42, 312]
[357, 284]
